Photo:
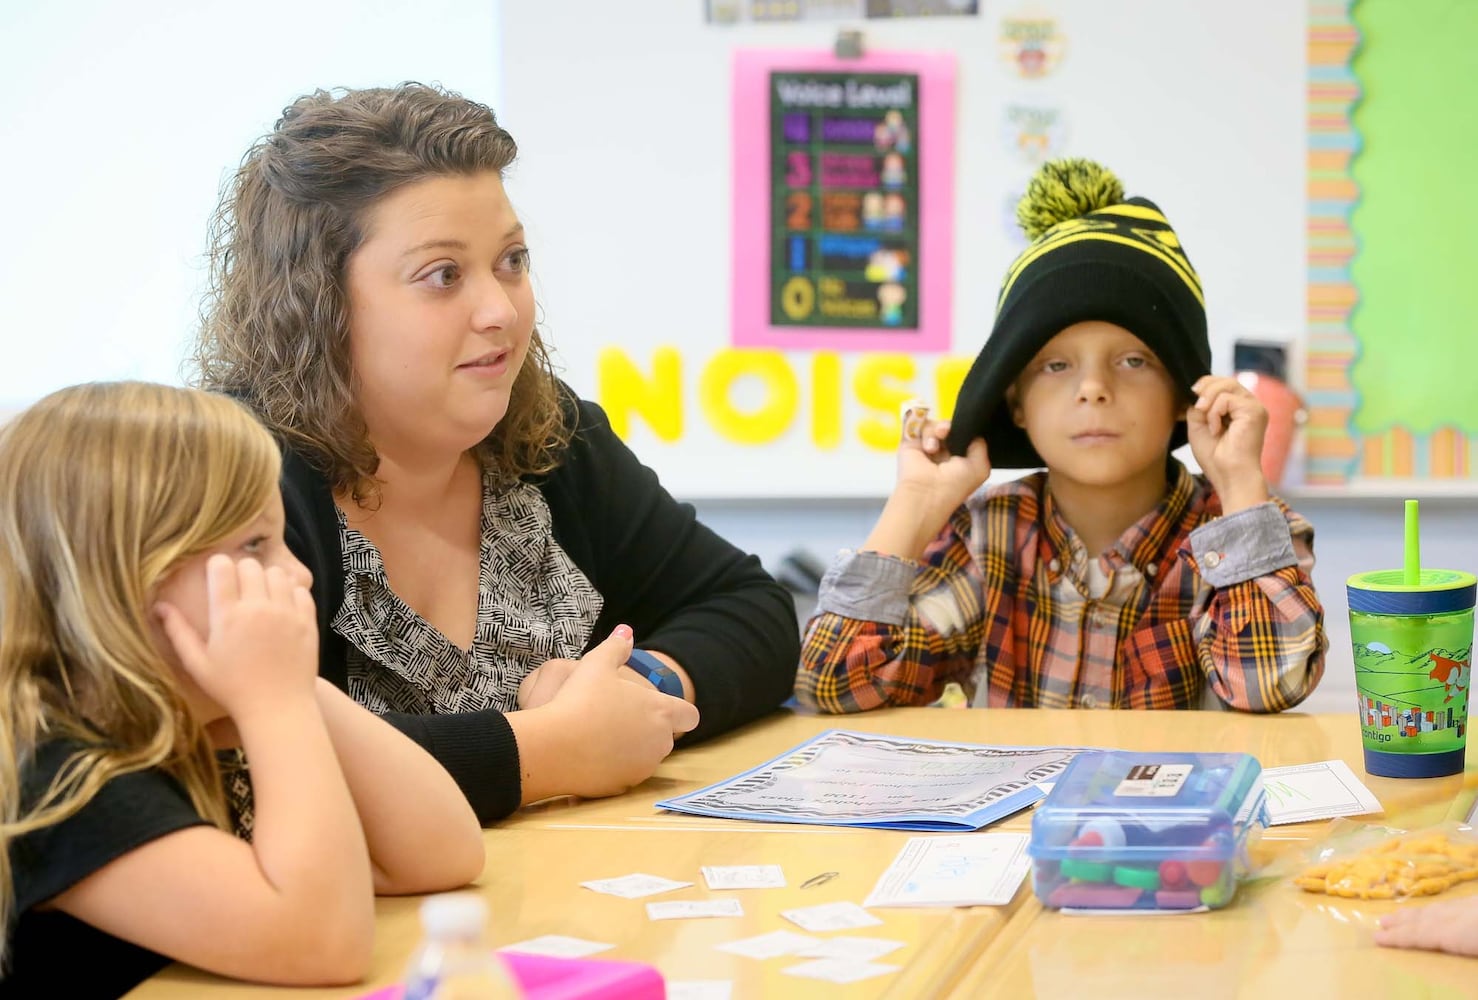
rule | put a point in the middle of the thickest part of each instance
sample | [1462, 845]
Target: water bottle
[454, 961]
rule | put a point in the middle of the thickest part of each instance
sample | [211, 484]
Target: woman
[472, 527]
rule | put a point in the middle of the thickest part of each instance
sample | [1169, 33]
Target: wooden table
[1273, 938]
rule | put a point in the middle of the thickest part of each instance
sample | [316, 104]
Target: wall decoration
[843, 201]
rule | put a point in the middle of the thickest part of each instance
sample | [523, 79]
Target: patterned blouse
[533, 604]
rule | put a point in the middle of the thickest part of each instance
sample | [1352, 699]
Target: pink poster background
[751, 251]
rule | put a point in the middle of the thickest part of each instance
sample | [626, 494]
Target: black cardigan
[683, 590]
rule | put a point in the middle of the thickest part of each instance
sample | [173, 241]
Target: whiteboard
[621, 115]
[124, 121]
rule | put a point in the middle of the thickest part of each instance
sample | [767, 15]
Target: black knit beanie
[1094, 256]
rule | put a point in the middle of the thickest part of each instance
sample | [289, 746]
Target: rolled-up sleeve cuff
[867, 586]
[1243, 546]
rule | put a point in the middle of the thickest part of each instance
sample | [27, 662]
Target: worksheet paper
[845, 778]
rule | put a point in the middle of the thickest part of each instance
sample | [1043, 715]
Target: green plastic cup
[1412, 632]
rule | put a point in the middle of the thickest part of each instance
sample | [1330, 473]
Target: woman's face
[440, 313]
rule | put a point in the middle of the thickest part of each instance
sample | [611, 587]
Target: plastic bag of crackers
[1381, 863]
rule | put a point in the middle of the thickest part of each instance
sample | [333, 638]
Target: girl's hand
[1226, 428]
[262, 643]
[1450, 926]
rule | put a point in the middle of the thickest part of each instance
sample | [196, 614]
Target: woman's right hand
[262, 640]
[619, 731]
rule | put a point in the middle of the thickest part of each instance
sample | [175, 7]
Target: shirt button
[1088, 701]
[1212, 559]
[1055, 566]
[1151, 570]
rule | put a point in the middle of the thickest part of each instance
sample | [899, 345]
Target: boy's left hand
[1226, 427]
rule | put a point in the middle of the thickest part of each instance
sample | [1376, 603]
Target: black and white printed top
[594, 543]
[533, 605]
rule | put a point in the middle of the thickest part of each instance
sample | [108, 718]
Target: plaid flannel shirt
[1200, 611]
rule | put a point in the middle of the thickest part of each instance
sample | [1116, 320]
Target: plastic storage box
[1147, 831]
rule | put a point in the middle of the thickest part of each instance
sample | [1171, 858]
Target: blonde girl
[150, 613]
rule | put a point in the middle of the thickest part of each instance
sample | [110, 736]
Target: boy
[1115, 579]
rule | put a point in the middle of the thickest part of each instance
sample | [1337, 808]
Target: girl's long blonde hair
[104, 489]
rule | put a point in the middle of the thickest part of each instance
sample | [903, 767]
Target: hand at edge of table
[1450, 926]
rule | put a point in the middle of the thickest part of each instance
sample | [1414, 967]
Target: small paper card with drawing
[744, 876]
[1303, 792]
[979, 869]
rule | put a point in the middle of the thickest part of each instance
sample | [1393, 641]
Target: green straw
[1413, 546]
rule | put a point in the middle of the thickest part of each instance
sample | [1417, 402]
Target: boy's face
[1097, 404]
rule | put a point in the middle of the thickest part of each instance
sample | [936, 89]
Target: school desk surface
[1272, 938]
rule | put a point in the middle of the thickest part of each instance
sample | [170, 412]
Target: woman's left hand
[545, 680]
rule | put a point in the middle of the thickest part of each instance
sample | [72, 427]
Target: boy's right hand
[621, 731]
[932, 484]
[262, 642]
[927, 469]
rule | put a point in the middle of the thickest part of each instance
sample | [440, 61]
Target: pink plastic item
[1178, 899]
[1081, 895]
[544, 978]
[1285, 410]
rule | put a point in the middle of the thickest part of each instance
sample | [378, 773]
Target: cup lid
[1393, 581]
[1385, 591]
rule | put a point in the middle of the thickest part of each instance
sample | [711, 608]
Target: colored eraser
[1110, 831]
[1204, 873]
[1086, 871]
[1172, 873]
[1177, 899]
[1138, 878]
[1217, 895]
[1104, 897]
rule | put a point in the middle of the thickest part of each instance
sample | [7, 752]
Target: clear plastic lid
[454, 915]
[1134, 804]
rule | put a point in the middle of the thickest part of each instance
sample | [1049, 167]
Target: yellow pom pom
[1065, 189]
